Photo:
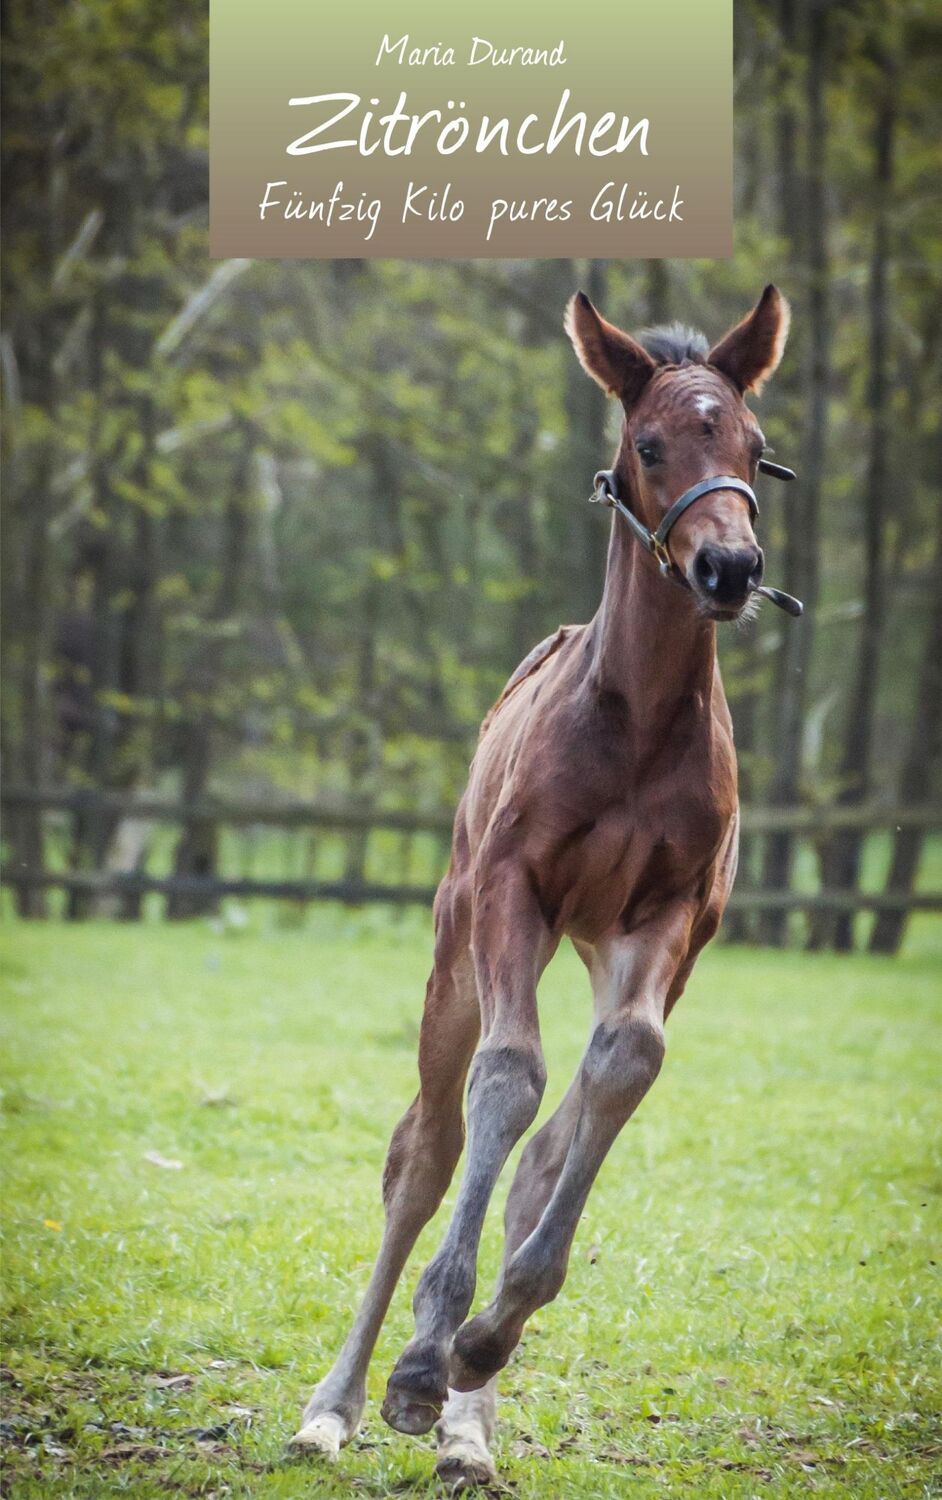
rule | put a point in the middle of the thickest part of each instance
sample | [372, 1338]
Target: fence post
[196, 855]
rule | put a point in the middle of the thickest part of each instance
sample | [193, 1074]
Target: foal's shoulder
[531, 663]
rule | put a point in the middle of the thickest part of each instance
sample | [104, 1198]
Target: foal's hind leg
[634, 979]
[538, 1172]
[422, 1156]
[511, 946]
[466, 1426]
[545, 1155]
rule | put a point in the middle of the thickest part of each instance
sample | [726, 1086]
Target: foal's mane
[675, 344]
[530, 664]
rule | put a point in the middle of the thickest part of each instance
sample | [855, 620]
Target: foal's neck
[650, 644]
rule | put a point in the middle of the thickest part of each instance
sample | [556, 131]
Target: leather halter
[655, 542]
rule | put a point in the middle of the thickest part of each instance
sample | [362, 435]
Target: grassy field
[753, 1303]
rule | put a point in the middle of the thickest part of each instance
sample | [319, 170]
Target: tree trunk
[657, 291]
[786, 123]
[30, 548]
[802, 538]
[27, 582]
[197, 849]
[122, 554]
[139, 675]
[92, 827]
[920, 764]
[361, 740]
[577, 541]
[841, 863]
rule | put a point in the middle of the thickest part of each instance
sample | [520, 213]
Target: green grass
[752, 1305]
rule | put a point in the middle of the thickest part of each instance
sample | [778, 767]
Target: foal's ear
[750, 352]
[621, 367]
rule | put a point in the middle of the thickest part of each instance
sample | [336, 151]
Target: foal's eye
[648, 453]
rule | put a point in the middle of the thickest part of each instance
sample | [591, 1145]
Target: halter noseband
[655, 542]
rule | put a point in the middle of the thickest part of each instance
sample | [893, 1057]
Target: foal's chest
[637, 848]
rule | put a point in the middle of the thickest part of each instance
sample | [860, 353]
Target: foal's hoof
[326, 1433]
[415, 1393]
[477, 1353]
[409, 1412]
[464, 1465]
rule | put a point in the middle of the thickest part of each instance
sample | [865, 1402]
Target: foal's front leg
[633, 978]
[511, 946]
[422, 1155]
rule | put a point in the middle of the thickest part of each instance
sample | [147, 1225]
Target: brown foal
[601, 806]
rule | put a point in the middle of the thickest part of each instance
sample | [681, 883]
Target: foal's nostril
[728, 574]
[707, 570]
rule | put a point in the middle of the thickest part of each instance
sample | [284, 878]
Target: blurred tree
[841, 860]
[808, 229]
[920, 771]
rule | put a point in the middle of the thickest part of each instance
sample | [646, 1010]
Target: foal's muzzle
[724, 577]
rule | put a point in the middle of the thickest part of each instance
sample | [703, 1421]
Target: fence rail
[236, 811]
[355, 893]
[242, 811]
[130, 886]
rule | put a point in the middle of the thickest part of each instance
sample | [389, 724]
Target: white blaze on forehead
[706, 405]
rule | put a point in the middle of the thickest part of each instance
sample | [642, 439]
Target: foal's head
[686, 420]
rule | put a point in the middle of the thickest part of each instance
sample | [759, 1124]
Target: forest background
[284, 528]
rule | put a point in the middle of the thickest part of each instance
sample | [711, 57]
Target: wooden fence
[65, 809]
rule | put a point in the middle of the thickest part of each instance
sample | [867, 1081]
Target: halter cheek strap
[655, 542]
